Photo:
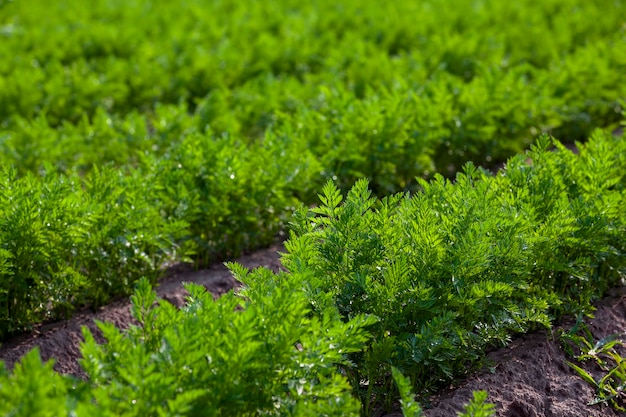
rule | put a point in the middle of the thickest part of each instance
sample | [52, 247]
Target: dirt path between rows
[529, 378]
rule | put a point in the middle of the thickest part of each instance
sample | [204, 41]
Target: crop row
[388, 92]
[461, 267]
[69, 239]
[415, 285]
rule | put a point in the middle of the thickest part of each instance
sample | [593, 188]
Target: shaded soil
[529, 378]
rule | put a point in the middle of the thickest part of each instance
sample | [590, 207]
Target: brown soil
[529, 378]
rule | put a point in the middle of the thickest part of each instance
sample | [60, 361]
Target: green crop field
[135, 134]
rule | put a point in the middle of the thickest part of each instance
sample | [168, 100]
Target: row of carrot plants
[121, 56]
[464, 80]
[462, 266]
[78, 239]
[381, 298]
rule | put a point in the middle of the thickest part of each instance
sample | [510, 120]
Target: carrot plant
[260, 353]
[68, 241]
[233, 197]
[460, 267]
[606, 354]
[410, 408]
